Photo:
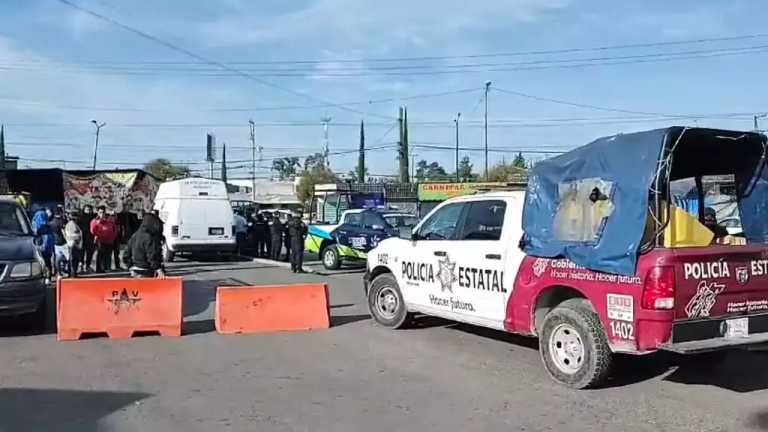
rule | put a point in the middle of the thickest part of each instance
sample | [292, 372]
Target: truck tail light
[659, 288]
[174, 230]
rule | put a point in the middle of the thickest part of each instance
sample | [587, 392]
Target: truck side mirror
[406, 233]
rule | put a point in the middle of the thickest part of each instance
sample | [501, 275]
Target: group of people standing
[69, 241]
[267, 236]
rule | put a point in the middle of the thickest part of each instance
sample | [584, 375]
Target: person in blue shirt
[44, 237]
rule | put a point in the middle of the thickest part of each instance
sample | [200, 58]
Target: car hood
[13, 248]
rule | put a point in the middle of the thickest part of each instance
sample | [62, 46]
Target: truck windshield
[12, 220]
[396, 221]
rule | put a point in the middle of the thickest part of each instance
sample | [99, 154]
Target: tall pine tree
[224, 163]
[361, 155]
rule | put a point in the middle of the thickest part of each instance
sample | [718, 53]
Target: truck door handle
[493, 256]
[440, 253]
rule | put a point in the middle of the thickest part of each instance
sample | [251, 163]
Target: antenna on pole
[326, 150]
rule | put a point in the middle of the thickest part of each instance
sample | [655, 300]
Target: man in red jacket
[104, 234]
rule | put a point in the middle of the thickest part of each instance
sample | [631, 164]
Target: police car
[358, 231]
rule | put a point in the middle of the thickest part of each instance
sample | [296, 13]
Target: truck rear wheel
[386, 304]
[330, 257]
[574, 347]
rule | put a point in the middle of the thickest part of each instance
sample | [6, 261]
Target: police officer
[297, 231]
[260, 236]
[276, 238]
[287, 240]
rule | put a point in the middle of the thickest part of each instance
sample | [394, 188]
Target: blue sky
[60, 68]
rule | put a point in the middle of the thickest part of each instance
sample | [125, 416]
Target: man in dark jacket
[144, 255]
[88, 245]
[60, 259]
[276, 238]
[260, 236]
[297, 232]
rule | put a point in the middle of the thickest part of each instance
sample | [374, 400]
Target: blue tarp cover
[623, 166]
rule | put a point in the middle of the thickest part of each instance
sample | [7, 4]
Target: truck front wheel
[574, 347]
[330, 257]
[386, 304]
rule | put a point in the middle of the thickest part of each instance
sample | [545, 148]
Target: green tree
[465, 169]
[520, 161]
[285, 167]
[430, 171]
[313, 161]
[318, 174]
[356, 175]
[504, 172]
[165, 170]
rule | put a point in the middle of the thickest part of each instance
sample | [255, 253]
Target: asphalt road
[353, 377]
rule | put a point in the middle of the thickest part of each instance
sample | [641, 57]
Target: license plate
[215, 231]
[737, 328]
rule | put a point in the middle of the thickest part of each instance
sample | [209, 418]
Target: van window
[484, 220]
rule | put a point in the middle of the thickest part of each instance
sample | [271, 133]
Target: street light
[413, 166]
[96, 147]
[487, 87]
[253, 158]
[756, 117]
[458, 116]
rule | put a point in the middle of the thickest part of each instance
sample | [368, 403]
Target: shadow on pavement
[759, 420]
[24, 409]
[340, 320]
[740, 371]
[198, 327]
[197, 296]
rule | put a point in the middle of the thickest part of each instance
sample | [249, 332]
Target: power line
[454, 57]
[254, 109]
[196, 125]
[431, 70]
[203, 59]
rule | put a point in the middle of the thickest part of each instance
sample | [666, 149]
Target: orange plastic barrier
[118, 307]
[271, 308]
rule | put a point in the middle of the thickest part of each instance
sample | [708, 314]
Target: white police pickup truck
[599, 255]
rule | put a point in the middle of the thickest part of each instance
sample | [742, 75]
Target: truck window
[484, 220]
[583, 207]
[354, 219]
[371, 219]
[442, 224]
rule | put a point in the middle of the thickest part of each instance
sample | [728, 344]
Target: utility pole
[402, 150]
[96, 147]
[458, 116]
[2, 147]
[361, 155]
[756, 118]
[326, 151]
[253, 157]
[413, 167]
[487, 87]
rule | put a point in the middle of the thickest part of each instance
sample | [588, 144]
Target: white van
[196, 215]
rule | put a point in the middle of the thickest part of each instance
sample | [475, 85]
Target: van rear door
[206, 220]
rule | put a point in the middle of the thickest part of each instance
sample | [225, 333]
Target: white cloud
[361, 24]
